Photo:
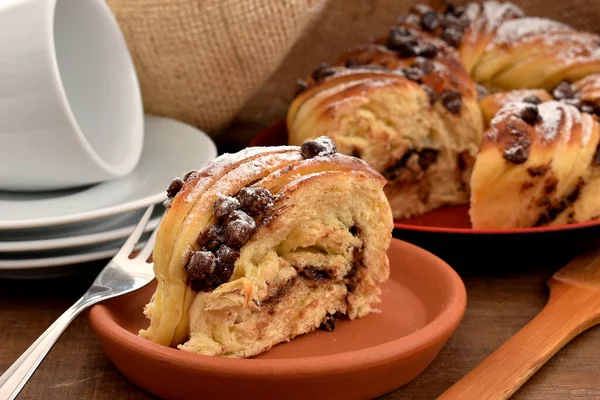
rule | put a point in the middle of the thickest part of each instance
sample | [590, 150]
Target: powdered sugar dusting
[488, 17]
[507, 111]
[515, 95]
[519, 30]
[552, 114]
[495, 13]
[227, 160]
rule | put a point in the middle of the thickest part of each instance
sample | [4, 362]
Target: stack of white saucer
[79, 160]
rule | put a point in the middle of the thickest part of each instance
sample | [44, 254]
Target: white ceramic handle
[15, 377]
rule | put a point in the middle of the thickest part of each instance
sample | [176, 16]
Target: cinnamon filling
[411, 164]
[553, 210]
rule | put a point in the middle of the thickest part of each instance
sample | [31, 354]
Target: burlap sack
[200, 60]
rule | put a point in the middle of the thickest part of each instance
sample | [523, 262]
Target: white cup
[71, 111]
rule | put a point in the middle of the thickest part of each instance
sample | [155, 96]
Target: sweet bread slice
[278, 246]
[538, 166]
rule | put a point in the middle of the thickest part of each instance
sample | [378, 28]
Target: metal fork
[120, 276]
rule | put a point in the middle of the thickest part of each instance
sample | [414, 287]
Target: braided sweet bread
[471, 62]
[412, 115]
[267, 244]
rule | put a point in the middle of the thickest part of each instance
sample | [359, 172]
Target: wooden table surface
[499, 304]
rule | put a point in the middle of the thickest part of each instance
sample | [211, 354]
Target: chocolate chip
[428, 50]
[321, 146]
[518, 150]
[225, 205]
[352, 63]
[301, 86]
[237, 215]
[427, 157]
[314, 274]
[530, 114]
[452, 100]
[432, 94]
[532, 99]
[239, 229]
[414, 74]
[323, 71]
[212, 239]
[201, 265]
[424, 65]
[226, 255]
[550, 185]
[255, 200]
[481, 91]
[451, 9]
[452, 37]
[174, 188]
[222, 274]
[430, 21]
[329, 322]
[537, 171]
[188, 175]
[404, 45]
[563, 91]
[459, 11]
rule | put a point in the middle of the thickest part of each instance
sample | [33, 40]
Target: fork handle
[570, 311]
[15, 377]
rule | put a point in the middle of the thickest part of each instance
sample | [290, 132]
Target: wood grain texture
[499, 304]
[571, 310]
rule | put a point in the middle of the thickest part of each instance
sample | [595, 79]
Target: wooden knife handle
[570, 310]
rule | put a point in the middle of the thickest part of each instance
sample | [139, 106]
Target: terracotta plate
[448, 233]
[422, 304]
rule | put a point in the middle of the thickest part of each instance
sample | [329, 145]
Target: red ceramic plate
[422, 304]
[448, 233]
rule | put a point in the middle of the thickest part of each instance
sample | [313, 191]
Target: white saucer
[54, 258]
[84, 234]
[60, 265]
[171, 149]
